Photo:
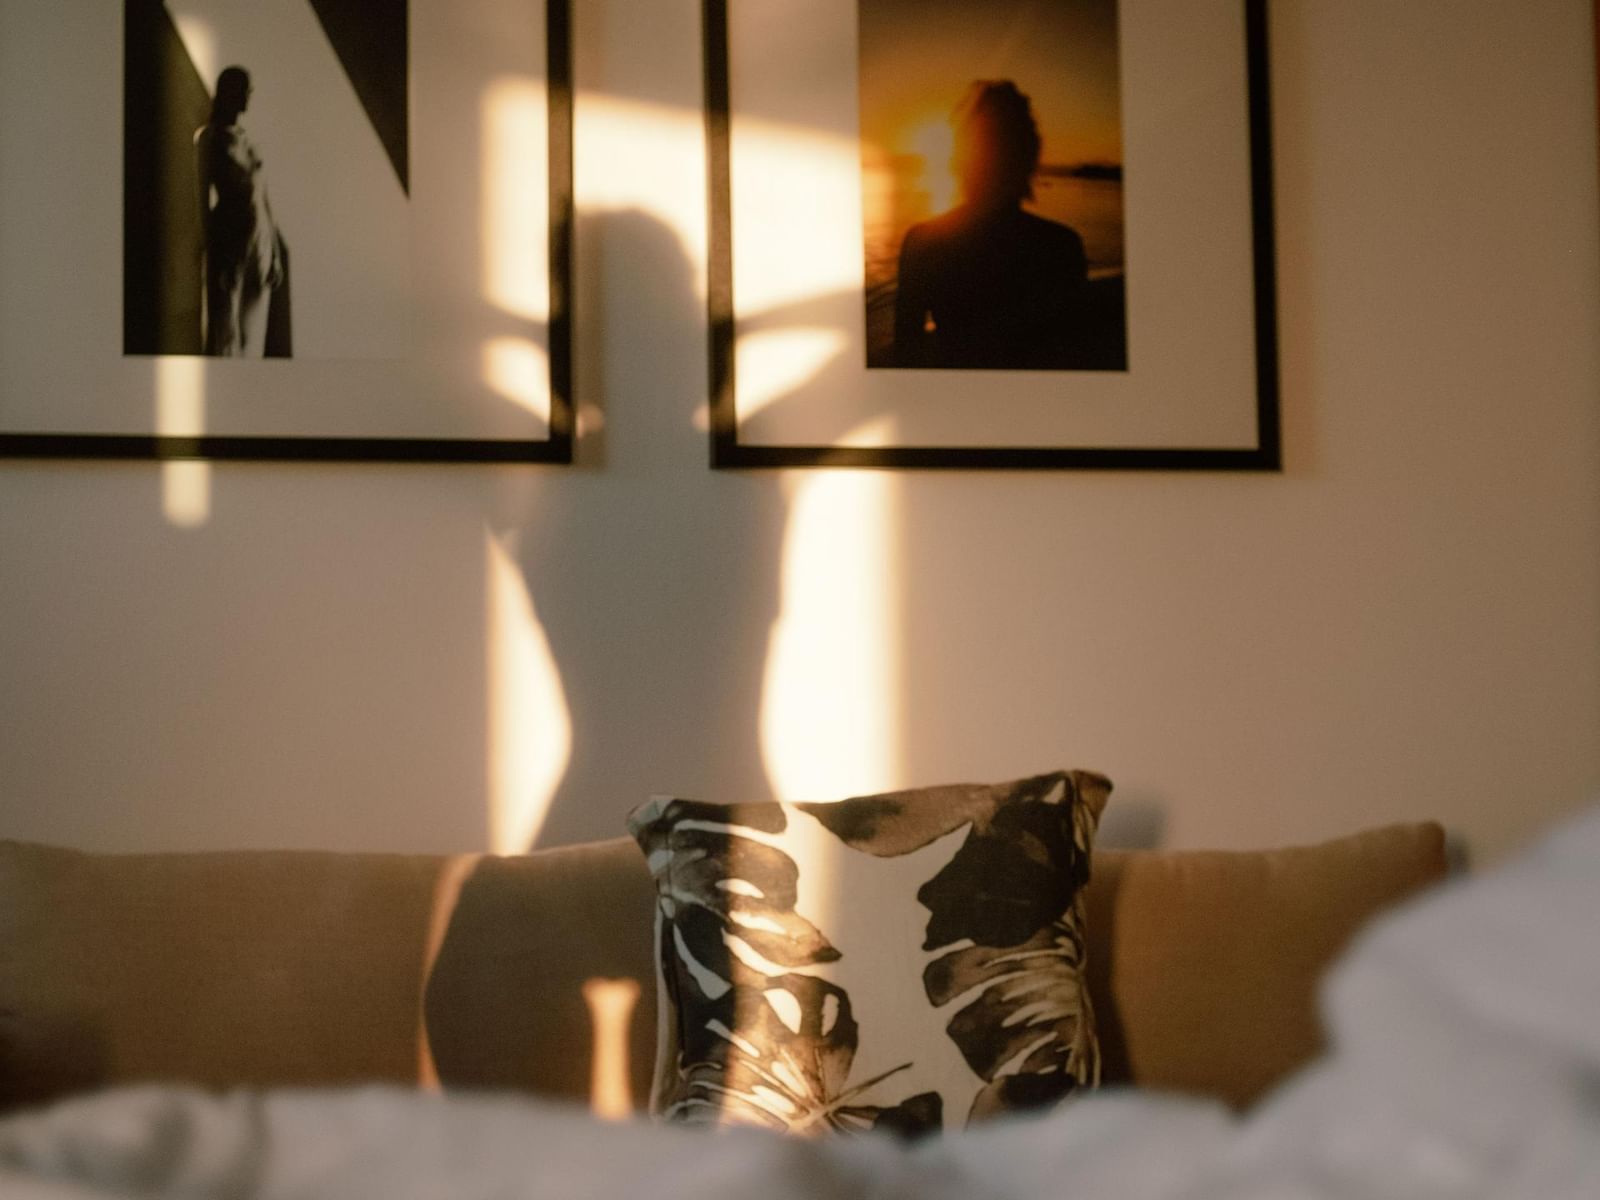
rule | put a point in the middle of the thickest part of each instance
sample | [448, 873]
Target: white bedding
[1465, 1063]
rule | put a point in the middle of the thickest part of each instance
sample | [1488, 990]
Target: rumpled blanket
[1464, 1063]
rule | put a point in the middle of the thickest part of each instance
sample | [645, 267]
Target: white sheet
[1465, 1063]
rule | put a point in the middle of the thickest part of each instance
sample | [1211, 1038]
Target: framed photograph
[991, 233]
[286, 229]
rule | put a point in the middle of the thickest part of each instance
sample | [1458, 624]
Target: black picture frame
[553, 448]
[731, 450]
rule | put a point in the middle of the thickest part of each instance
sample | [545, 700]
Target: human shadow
[656, 586]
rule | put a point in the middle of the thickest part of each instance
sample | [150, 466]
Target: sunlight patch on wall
[800, 181]
[516, 240]
[518, 369]
[181, 412]
[624, 149]
[830, 709]
[529, 727]
[773, 363]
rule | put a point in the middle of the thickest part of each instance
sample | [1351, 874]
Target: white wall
[1405, 623]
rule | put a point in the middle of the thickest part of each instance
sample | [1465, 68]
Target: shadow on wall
[656, 585]
[707, 629]
[713, 631]
[1132, 822]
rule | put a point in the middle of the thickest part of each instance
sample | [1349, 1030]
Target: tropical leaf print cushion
[908, 962]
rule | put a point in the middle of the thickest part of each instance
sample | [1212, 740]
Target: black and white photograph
[287, 229]
[235, 113]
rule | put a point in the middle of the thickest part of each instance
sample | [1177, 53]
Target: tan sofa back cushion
[1204, 964]
[505, 1005]
[214, 968]
[308, 969]
[302, 969]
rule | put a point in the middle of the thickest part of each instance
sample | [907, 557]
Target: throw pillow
[909, 961]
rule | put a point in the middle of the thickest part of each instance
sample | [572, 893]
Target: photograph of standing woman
[246, 258]
[992, 185]
[251, 128]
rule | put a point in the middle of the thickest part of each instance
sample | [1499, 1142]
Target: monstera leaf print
[1021, 1018]
[779, 1053]
[1005, 923]
[1008, 913]
[898, 823]
[759, 1039]
[727, 895]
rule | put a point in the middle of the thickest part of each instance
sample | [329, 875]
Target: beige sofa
[323, 969]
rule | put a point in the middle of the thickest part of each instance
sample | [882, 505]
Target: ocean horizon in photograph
[992, 184]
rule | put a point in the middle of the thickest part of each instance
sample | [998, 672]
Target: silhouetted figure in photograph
[987, 284]
[247, 260]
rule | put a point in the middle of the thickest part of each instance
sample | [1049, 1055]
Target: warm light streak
[797, 284]
[625, 148]
[773, 363]
[516, 241]
[611, 1003]
[181, 412]
[446, 895]
[830, 711]
[518, 369]
[805, 186]
[529, 727]
[186, 493]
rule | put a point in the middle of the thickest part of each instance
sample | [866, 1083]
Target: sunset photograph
[991, 156]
